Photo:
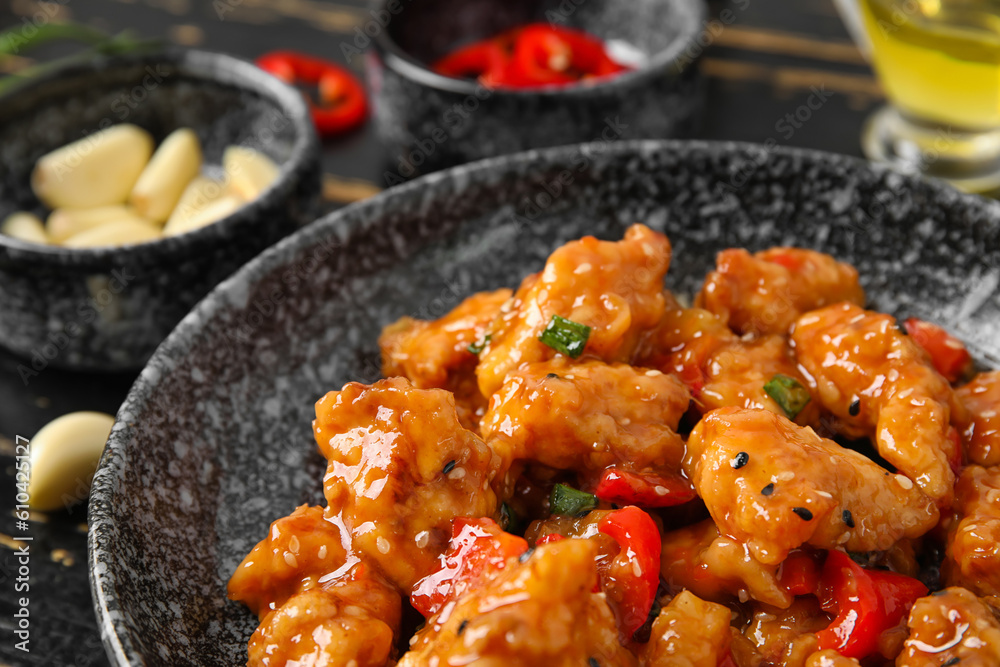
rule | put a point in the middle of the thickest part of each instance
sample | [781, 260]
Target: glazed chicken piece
[786, 636]
[775, 486]
[588, 416]
[401, 467]
[766, 292]
[437, 354]
[303, 581]
[719, 368]
[540, 612]
[616, 288]
[951, 627]
[981, 397]
[299, 550]
[689, 632]
[972, 556]
[352, 623]
[878, 383]
[717, 568]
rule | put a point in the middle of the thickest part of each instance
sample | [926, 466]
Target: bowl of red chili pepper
[107, 307]
[456, 81]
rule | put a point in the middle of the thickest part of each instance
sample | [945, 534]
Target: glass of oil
[939, 63]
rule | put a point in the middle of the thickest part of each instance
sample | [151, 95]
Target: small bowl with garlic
[129, 187]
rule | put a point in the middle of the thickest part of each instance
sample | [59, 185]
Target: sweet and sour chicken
[582, 472]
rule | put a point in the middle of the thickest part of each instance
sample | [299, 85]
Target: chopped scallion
[788, 393]
[565, 336]
[479, 345]
[568, 501]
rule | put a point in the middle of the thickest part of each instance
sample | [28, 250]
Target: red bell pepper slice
[866, 603]
[947, 353]
[629, 488]
[477, 550]
[639, 539]
[342, 102]
[799, 572]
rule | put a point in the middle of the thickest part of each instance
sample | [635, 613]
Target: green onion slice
[568, 501]
[479, 345]
[788, 393]
[565, 336]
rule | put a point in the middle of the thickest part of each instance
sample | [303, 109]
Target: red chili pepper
[629, 488]
[342, 102]
[799, 572]
[639, 539]
[866, 602]
[551, 537]
[478, 548]
[947, 353]
[535, 55]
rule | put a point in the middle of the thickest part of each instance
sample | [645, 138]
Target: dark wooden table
[779, 70]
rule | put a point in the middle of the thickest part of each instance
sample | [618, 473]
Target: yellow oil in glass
[939, 60]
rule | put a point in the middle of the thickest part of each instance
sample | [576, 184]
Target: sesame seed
[592, 662]
[848, 518]
[552, 376]
[457, 473]
[824, 494]
[653, 373]
[636, 568]
[383, 545]
[768, 490]
[449, 466]
[422, 538]
[523, 558]
[583, 268]
[904, 482]
[322, 552]
[293, 544]
[785, 476]
[803, 513]
[740, 460]
[855, 408]
[462, 626]
[661, 490]
[290, 559]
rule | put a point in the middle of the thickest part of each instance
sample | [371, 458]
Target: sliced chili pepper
[478, 549]
[342, 102]
[629, 488]
[639, 539]
[531, 56]
[947, 353]
[799, 572]
[866, 603]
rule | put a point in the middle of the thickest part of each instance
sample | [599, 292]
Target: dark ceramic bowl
[108, 308]
[215, 440]
[427, 121]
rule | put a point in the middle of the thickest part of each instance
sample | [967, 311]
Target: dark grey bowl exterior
[108, 309]
[427, 121]
[214, 441]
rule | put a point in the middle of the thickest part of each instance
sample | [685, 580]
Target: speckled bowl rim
[115, 633]
[210, 67]
[398, 60]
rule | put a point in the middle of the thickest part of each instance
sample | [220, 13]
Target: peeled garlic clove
[174, 164]
[249, 172]
[117, 233]
[199, 193]
[97, 170]
[24, 226]
[66, 222]
[212, 212]
[63, 458]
